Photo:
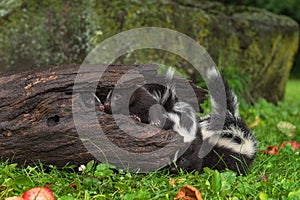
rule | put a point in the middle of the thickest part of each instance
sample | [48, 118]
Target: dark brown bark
[36, 118]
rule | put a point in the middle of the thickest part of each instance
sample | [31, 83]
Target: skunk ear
[231, 100]
[233, 104]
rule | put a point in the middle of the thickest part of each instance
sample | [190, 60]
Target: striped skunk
[157, 105]
[234, 147]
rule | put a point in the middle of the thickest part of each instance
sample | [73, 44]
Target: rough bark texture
[36, 118]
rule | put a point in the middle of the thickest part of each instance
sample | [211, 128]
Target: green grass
[292, 94]
[271, 176]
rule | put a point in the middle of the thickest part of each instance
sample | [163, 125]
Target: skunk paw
[156, 123]
[137, 118]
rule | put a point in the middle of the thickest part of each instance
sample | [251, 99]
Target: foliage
[36, 33]
[7, 6]
[289, 8]
[41, 33]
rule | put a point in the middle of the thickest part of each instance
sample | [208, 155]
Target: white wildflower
[81, 168]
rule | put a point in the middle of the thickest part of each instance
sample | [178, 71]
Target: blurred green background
[289, 8]
[47, 32]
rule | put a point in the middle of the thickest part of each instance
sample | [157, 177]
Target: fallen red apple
[38, 193]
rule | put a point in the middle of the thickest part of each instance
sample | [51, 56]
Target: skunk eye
[227, 135]
[184, 162]
[237, 140]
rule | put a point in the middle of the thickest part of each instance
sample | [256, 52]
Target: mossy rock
[260, 44]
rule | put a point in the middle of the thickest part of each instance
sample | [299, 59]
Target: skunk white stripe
[212, 73]
[235, 104]
[156, 95]
[170, 89]
[170, 86]
[186, 134]
[217, 92]
[207, 133]
[96, 97]
[247, 146]
[175, 156]
[170, 74]
[186, 111]
[204, 125]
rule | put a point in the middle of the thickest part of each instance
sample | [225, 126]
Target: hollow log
[37, 119]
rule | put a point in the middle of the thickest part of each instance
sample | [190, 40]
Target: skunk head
[234, 147]
[235, 136]
[190, 160]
